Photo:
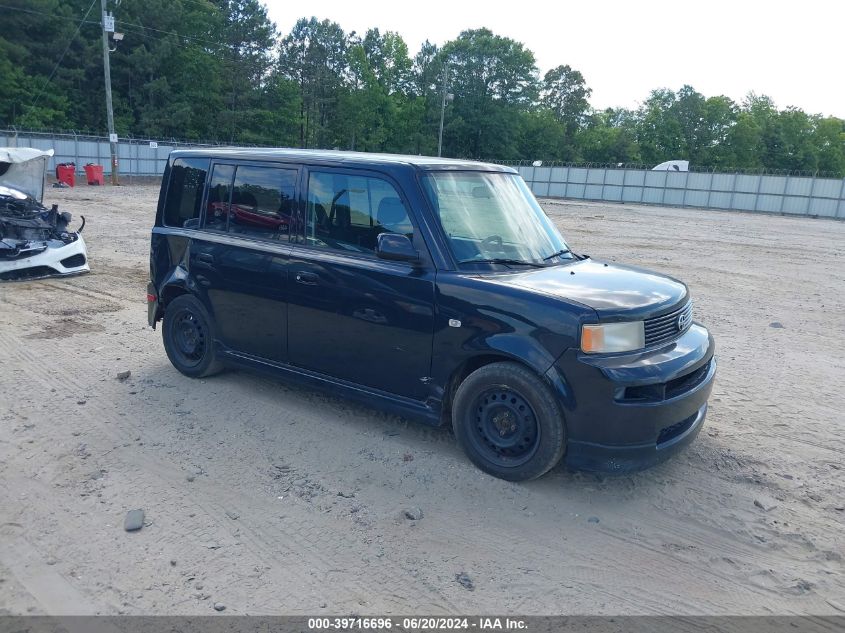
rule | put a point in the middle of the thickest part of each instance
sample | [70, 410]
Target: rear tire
[508, 422]
[188, 334]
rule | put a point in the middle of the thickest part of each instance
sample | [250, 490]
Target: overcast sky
[792, 51]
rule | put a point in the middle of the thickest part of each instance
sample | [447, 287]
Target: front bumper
[58, 258]
[627, 412]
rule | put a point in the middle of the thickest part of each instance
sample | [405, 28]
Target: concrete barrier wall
[796, 195]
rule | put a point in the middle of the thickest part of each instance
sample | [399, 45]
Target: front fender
[477, 319]
[525, 350]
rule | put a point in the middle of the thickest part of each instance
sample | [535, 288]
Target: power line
[49, 79]
[121, 22]
[203, 3]
[150, 36]
[207, 4]
[49, 15]
[175, 33]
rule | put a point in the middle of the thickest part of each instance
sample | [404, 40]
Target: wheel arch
[470, 365]
[170, 292]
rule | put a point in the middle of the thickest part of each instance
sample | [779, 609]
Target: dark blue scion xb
[438, 289]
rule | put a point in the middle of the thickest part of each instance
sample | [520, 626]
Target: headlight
[613, 337]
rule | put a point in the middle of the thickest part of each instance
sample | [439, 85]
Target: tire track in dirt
[592, 570]
[315, 549]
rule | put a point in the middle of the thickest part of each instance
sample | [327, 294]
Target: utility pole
[442, 109]
[108, 27]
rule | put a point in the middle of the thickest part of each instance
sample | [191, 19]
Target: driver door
[351, 315]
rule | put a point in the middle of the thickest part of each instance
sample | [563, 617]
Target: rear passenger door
[242, 261]
[351, 315]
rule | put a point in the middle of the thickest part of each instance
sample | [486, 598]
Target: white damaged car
[34, 241]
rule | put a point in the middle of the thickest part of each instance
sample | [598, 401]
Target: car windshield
[492, 218]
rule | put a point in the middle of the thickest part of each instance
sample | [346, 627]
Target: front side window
[250, 200]
[184, 192]
[348, 213]
[493, 218]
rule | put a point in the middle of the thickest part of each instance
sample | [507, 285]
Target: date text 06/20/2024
[418, 623]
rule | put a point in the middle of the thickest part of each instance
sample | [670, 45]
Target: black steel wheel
[506, 429]
[188, 337]
[508, 422]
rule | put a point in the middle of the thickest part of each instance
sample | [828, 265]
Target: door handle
[368, 314]
[308, 279]
[205, 258]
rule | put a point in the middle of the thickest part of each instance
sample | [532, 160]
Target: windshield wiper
[503, 261]
[564, 251]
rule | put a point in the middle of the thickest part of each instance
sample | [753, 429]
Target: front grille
[664, 328]
[660, 391]
[686, 383]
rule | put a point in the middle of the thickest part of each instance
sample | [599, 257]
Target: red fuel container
[94, 174]
[66, 173]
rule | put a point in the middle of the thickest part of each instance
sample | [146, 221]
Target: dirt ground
[271, 499]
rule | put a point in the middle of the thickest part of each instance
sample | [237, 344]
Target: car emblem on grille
[684, 320]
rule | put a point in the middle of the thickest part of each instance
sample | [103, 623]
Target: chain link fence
[137, 157]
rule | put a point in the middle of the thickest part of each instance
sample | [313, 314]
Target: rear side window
[184, 193]
[348, 212]
[251, 200]
[262, 202]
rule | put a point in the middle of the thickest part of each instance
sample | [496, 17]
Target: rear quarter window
[184, 192]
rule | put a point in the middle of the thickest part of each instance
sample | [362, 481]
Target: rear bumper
[153, 314]
[628, 412]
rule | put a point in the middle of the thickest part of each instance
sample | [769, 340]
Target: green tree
[610, 136]
[387, 56]
[248, 36]
[493, 78]
[719, 118]
[423, 108]
[566, 94]
[42, 74]
[542, 137]
[659, 133]
[829, 139]
[314, 56]
[167, 73]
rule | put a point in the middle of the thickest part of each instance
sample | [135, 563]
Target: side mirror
[397, 248]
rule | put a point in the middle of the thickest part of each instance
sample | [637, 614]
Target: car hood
[22, 169]
[610, 289]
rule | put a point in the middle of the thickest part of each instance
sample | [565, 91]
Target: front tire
[508, 422]
[188, 334]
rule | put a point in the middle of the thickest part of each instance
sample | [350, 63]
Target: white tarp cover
[672, 165]
[25, 172]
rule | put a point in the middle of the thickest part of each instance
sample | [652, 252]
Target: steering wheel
[492, 240]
